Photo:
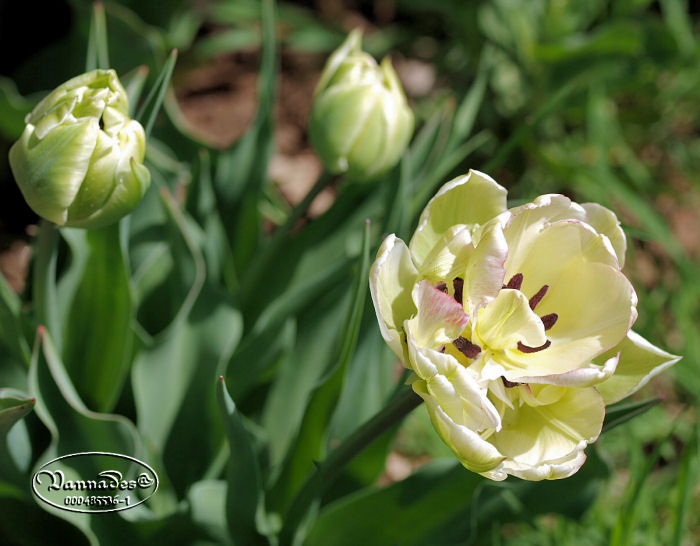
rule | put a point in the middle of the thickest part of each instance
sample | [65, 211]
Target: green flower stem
[44, 278]
[310, 494]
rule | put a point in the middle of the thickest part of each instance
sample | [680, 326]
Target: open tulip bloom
[516, 324]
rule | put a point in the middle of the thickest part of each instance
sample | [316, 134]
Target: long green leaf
[244, 499]
[312, 439]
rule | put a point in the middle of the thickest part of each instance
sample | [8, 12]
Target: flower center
[472, 350]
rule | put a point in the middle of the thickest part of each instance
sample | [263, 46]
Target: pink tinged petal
[639, 362]
[586, 376]
[472, 451]
[545, 441]
[472, 199]
[448, 258]
[391, 280]
[605, 222]
[485, 271]
[507, 321]
[439, 320]
[595, 305]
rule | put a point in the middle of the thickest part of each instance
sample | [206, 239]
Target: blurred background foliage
[598, 100]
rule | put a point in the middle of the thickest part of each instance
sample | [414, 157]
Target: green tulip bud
[79, 161]
[360, 122]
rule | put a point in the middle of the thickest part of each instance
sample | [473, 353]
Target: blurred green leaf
[13, 108]
[311, 441]
[178, 418]
[442, 503]
[11, 324]
[97, 48]
[11, 411]
[624, 411]
[244, 499]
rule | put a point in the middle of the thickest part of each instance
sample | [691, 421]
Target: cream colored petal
[545, 441]
[587, 376]
[526, 221]
[472, 451]
[595, 305]
[448, 258]
[606, 223]
[471, 199]
[552, 248]
[391, 281]
[439, 319]
[639, 362]
[485, 270]
[547, 471]
[508, 320]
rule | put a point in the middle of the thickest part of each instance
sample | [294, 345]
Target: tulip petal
[639, 362]
[587, 376]
[548, 250]
[454, 387]
[605, 222]
[439, 320]
[448, 258]
[391, 280]
[50, 171]
[472, 199]
[546, 441]
[508, 320]
[472, 451]
[485, 270]
[595, 305]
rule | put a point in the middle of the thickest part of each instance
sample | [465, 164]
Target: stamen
[537, 298]
[458, 284]
[549, 320]
[526, 349]
[442, 286]
[515, 282]
[466, 347]
[509, 384]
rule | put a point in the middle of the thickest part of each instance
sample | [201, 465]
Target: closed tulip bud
[79, 161]
[360, 121]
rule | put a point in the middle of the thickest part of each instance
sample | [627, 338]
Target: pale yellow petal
[471, 199]
[639, 362]
[391, 281]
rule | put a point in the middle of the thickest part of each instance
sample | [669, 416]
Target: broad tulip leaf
[442, 503]
[11, 411]
[311, 442]
[172, 386]
[244, 498]
[11, 334]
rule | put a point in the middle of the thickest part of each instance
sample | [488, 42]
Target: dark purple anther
[466, 347]
[509, 384]
[549, 320]
[442, 287]
[537, 298]
[515, 282]
[526, 349]
[458, 285]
